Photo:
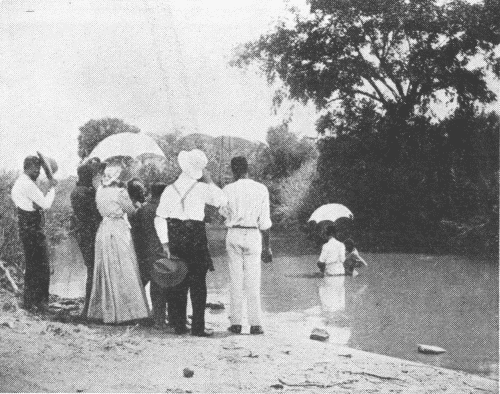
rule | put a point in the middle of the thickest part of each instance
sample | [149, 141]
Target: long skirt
[117, 292]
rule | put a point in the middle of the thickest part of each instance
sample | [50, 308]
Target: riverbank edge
[38, 354]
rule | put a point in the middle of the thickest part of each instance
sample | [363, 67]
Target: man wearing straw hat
[181, 229]
[30, 203]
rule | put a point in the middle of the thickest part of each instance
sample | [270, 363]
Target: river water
[397, 302]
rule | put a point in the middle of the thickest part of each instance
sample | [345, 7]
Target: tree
[396, 55]
[286, 152]
[94, 131]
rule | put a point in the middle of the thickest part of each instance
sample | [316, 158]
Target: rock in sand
[428, 349]
[319, 335]
[188, 373]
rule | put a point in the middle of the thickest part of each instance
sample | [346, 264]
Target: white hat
[192, 163]
[111, 174]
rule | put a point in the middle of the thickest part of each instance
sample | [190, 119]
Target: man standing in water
[248, 220]
[181, 229]
[30, 203]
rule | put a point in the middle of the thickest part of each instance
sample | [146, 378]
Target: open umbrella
[331, 212]
[126, 144]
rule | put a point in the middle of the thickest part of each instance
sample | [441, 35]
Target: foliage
[56, 225]
[395, 56]
[288, 195]
[94, 131]
[443, 182]
[10, 245]
[286, 154]
[58, 217]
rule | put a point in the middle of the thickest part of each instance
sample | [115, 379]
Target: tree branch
[373, 97]
[382, 98]
[387, 71]
[377, 89]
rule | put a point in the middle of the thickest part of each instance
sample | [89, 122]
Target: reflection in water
[68, 278]
[399, 300]
[331, 292]
[332, 296]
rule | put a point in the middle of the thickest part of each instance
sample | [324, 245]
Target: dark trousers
[37, 266]
[188, 241]
[195, 283]
[159, 299]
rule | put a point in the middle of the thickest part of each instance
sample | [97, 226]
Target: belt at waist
[245, 227]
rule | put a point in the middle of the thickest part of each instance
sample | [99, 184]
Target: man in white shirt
[248, 220]
[30, 203]
[181, 229]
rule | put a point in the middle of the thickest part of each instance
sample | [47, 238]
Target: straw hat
[192, 163]
[111, 174]
[49, 165]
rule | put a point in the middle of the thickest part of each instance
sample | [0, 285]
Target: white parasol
[126, 144]
[331, 212]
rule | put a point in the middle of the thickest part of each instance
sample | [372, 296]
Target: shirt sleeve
[36, 195]
[342, 253]
[358, 258]
[265, 212]
[162, 210]
[215, 196]
[224, 209]
[323, 255]
[161, 228]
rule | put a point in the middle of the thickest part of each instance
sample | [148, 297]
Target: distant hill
[219, 151]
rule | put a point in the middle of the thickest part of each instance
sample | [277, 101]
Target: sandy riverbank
[39, 354]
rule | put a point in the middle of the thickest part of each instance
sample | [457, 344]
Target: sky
[156, 65]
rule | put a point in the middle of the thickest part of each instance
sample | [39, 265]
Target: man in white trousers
[248, 220]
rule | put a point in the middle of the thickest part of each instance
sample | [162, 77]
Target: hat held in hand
[168, 272]
[49, 165]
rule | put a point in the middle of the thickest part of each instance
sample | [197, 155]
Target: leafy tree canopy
[94, 131]
[391, 55]
[286, 152]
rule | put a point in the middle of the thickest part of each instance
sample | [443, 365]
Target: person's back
[246, 199]
[332, 254]
[146, 241]
[248, 220]
[83, 201]
[87, 218]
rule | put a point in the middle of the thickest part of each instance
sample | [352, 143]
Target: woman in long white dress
[117, 292]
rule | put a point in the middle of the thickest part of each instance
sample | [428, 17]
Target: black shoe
[204, 333]
[235, 329]
[256, 330]
[181, 330]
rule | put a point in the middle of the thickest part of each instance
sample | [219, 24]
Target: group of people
[337, 258]
[122, 235]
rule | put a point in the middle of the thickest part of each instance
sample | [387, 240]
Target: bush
[288, 195]
[403, 189]
[10, 245]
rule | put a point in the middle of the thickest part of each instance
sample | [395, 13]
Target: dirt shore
[39, 354]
